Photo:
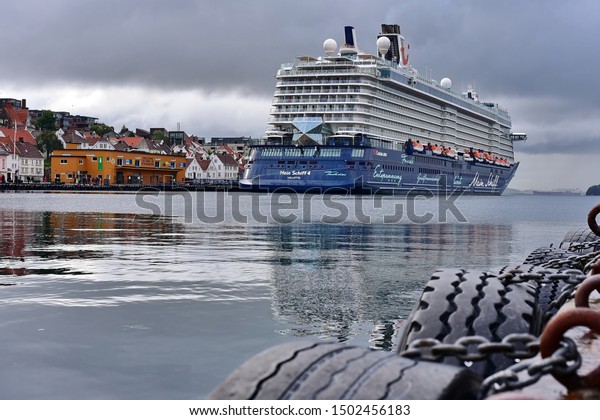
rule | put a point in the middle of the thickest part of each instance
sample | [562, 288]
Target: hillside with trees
[593, 190]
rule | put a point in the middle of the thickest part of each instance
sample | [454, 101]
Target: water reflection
[332, 281]
[56, 243]
[101, 301]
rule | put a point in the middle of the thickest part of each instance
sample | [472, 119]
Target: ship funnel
[398, 50]
[350, 46]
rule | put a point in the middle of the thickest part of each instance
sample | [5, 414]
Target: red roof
[7, 143]
[227, 159]
[28, 150]
[21, 134]
[225, 148]
[18, 115]
[133, 142]
[204, 164]
[91, 136]
[24, 149]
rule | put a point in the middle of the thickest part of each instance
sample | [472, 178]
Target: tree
[593, 190]
[46, 121]
[101, 129]
[48, 142]
[124, 130]
[158, 135]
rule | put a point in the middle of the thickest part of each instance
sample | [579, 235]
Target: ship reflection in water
[138, 306]
[338, 281]
[331, 281]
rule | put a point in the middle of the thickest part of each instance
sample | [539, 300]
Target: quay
[125, 188]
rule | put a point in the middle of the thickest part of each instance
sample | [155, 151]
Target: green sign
[100, 160]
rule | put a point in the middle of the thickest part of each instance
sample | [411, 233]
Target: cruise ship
[361, 123]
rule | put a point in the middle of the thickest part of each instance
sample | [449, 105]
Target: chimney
[24, 103]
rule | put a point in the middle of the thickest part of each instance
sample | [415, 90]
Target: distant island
[593, 190]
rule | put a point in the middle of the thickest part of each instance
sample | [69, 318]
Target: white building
[30, 164]
[198, 168]
[3, 163]
[225, 167]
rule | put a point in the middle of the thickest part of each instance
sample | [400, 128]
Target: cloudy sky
[209, 65]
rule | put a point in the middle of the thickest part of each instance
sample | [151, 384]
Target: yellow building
[108, 167]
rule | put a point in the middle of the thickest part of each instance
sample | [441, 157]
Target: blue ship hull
[370, 170]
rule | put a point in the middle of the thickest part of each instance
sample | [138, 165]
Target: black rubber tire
[578, 236]
[457, 303]
[543, 255]
[335, 371]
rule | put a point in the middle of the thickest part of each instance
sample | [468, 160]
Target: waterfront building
[30, 162]
[3, 163]
[24, 161]
[108, 167]
[225, 167]
[197, 168]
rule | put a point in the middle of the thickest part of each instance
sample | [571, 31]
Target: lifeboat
[451, 153]
[468, 157]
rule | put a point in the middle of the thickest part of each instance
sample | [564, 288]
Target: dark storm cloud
[182, 44]
[542, 51]
[510, 46]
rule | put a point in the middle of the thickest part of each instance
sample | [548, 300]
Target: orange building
[108, 167]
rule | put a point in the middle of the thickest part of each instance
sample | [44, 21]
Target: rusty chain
[473, 348]
[559, 354]
[565, 360]
[520, 347]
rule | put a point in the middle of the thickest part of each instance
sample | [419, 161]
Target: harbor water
[162, 295]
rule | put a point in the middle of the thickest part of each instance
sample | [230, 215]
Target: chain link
[523, 348]
[575, 261]
[473, 348]
[566, 359]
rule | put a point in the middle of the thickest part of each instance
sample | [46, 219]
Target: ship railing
[496, 113]
[429, 86]
[337, 70]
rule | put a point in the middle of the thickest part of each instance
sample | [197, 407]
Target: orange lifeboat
[418, 146]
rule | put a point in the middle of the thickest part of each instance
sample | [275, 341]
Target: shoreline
[32, 188]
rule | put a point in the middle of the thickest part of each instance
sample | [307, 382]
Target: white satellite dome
[383, 45]
[446, 83]
[330, 46]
